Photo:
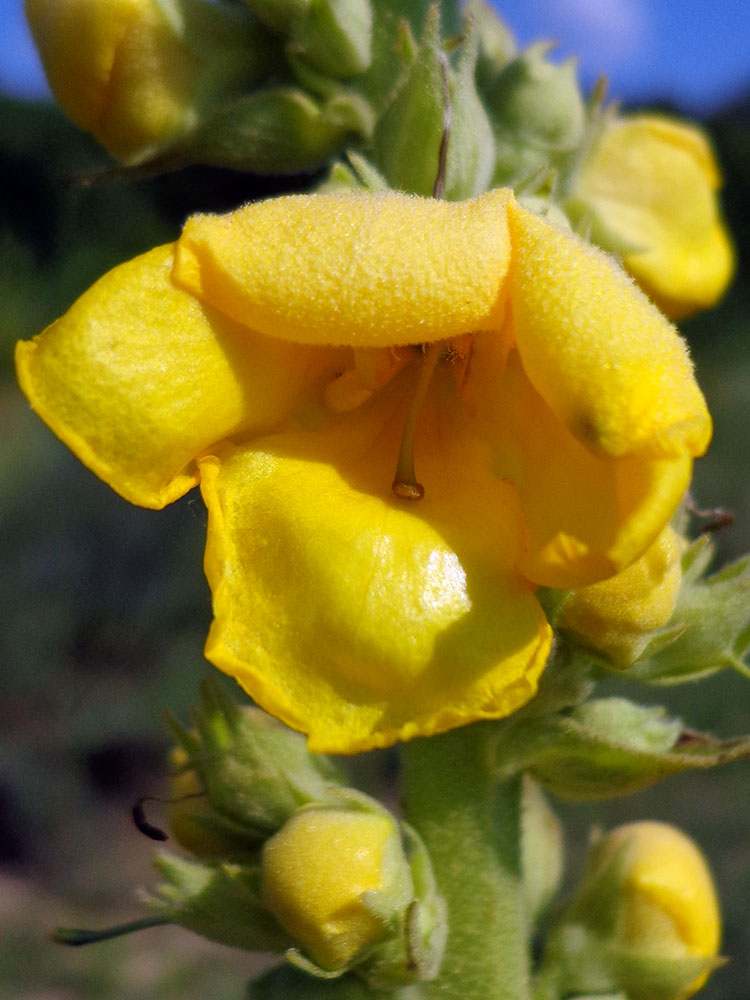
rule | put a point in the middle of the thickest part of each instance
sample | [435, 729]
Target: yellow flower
[284, 355]
[650, 188]
[670, 909]
[619, 615]
[318, 872]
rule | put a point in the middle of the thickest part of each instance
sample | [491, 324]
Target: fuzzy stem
[470, 823]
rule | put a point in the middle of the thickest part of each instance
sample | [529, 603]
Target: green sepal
[354, 173]
[406, 142]
[471, 145]
[334, 37]
[497, 46]
[289, 983]
[280, 130]
[415, 949]
[221, 902]
[255, 771]
[710, 626]
[607, 748]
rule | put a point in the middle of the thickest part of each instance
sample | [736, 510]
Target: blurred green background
[105, 607]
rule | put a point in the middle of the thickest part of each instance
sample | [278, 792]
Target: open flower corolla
[290, 355]
[649, 192]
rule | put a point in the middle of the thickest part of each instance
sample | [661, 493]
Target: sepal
[221, 902]
[255, 771]
[608, 747]
[710, 626]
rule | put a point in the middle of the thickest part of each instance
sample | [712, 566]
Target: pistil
[405, 484]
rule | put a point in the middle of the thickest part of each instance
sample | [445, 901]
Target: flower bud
[319, 872]
[537, 114]
[255, 771]
[355, 891]
[619, 616]
[648, 191]
[542, 853]
[334, 37]
[408, 137]
[138, 73]
[279, 130]
[646, 919]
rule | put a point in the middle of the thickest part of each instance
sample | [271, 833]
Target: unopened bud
[334, 37]
[619, 616]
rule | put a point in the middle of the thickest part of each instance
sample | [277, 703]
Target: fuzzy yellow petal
[586, 515]
[138, 378]
[375, 270]
[652, 183]
[356, 617]
[601, 355]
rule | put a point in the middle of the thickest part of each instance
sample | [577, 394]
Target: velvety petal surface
[586, 515]
[138, 377]
[356, 617]
[652, 183]
[600, 354]
[376, 270]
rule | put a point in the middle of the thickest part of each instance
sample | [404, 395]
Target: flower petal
[356, 617]
[586, 515]
[605, 360]
[377, 270]
[652, 183]
[137, 378]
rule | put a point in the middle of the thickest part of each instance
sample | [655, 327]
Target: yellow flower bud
[192, 821]
[117, 69]
[318, 871]
[670, 908]
[649, 193]
[618, 616]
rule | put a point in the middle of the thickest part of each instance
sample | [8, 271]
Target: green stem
[470, 823]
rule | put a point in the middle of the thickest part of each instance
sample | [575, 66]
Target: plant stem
[470, 823]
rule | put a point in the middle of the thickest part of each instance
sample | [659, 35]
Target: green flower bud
[334, 37]
[409, 135]
[255, 771]
[645, 920]
[537, 114]
[542, 850]
[282, 130]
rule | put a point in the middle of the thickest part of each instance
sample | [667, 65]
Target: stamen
[405, 483]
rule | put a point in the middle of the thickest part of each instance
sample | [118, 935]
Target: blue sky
[693, 52]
